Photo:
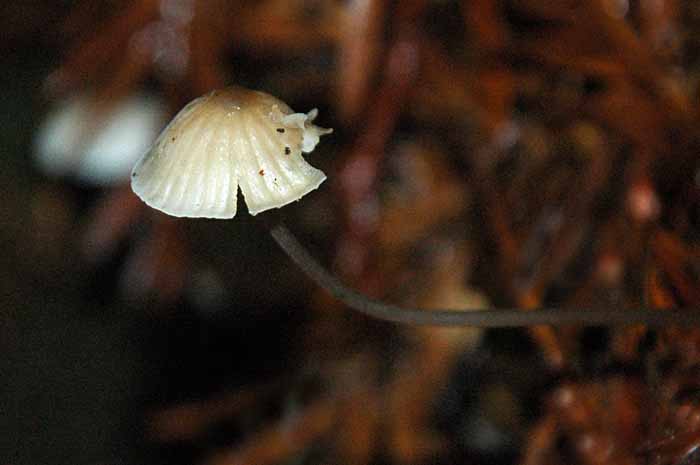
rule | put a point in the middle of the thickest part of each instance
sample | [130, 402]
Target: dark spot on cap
[287, 150]
[173, 139]
[261, 172]
[280, 130]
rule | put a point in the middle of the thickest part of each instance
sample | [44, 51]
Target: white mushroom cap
[229, 138]
[72, 141]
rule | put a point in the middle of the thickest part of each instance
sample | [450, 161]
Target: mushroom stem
[496, 318]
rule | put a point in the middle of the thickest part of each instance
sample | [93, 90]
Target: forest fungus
[229, 138]
[238, 137]
[94, 143]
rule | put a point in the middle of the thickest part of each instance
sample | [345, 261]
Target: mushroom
[238, 137]
[224, 140]
[97, 145]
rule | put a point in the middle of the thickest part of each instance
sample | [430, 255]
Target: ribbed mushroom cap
[229, 138]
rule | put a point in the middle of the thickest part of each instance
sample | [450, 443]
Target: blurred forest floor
[519, 153]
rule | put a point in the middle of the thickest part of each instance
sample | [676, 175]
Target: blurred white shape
[207, 291]
[72, 142]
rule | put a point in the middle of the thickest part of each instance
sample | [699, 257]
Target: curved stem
[496, 318]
